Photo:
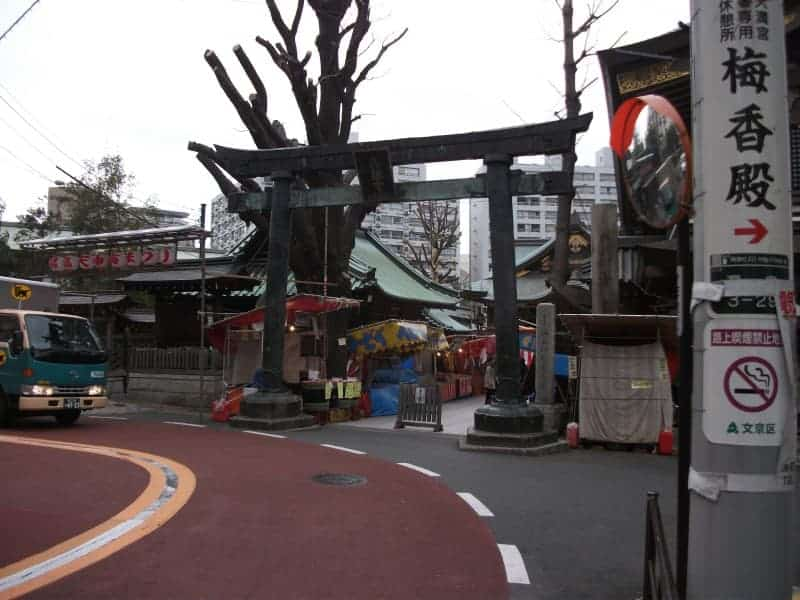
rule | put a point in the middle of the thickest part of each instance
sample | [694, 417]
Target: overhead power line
[32, 126]
[27, 141]
[22, 16]
[30, 168]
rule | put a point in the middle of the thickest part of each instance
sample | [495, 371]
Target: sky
[99, 77]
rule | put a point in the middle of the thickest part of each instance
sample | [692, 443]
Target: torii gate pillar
[509, 420]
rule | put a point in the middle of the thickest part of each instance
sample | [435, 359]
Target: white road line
[420, 469]
[515, 566]
[108, 418]
[183, 424]
[343, 449]
[264, 434]
[478, 506]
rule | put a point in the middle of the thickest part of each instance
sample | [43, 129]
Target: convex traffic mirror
[650, 139]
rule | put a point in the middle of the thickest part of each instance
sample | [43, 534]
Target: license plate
[72, 402]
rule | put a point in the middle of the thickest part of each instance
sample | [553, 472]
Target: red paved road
[258, 527]
[36, 516]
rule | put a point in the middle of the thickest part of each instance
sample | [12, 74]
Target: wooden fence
[174, 359]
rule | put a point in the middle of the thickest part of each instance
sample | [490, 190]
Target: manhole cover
[344, 479]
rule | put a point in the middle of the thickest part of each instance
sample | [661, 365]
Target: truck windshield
[63, 340]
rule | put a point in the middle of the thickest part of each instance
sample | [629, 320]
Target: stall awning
[487, 345]
[302, 303]
[400, 337]
[86, 299]
[623, 329]
[186, 280]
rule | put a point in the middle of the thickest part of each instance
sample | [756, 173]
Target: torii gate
[373, 162]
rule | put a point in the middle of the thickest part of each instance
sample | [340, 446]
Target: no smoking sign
[751, 384]
[745, 385]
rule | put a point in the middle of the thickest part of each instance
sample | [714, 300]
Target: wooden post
[605, 277]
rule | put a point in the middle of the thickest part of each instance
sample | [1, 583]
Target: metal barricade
[659, 580]
[419, 406]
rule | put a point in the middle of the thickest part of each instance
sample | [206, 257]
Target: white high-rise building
[535, 216]
[227, 229]
[398, 225]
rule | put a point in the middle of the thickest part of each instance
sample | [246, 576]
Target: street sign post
[744, 430]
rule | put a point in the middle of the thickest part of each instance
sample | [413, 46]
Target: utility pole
[744, 410]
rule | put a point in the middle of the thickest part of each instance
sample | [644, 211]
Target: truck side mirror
[15, 344]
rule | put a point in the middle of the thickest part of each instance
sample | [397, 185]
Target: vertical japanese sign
[741, 71]
[743, 165]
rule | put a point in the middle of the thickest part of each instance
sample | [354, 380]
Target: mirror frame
[623, 125]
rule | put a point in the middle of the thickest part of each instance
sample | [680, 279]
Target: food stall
[239, 339]
[390, 353]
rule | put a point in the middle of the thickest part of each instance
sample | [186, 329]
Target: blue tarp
[394, 376]
[384, 399]
[561, 366]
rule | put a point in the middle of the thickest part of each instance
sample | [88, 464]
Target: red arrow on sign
[758, 231]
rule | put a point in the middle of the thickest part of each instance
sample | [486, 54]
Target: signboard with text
[746, 186]
[121, 259]
[745, 385]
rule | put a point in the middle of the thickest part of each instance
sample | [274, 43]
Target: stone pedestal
[554, 416]
[500, 417]
[271, 411]
[531, 444]
[512, 429]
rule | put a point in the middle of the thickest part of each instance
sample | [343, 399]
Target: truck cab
[50, 364]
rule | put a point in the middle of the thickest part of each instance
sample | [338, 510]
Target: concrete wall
[172, 389]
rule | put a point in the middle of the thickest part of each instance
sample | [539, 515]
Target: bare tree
[326, 106]
[441, 232]
[596, 10]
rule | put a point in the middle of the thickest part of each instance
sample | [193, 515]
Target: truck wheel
[6, 411]
[68, 417]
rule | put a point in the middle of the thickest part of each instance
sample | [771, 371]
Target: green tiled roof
[445, 318]
[372, 263]
[395, 277]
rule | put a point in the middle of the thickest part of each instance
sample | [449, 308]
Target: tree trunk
[568, 160]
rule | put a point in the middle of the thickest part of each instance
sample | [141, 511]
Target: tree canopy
[98, 201]
[326, 104]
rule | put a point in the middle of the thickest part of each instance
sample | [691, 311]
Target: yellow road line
[170, 486]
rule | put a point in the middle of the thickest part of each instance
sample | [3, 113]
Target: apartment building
[535, 216]
[399, 225]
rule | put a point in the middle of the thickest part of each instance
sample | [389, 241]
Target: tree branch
[240, 104]
[260, 104]
[593, 17]
[360, 27]
[297, 14]
[225, 185]
[287, 35]
[371, 64]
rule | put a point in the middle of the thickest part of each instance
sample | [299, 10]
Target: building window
[520, 227]
[550, 227]
[607, 177]
[535, 227]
